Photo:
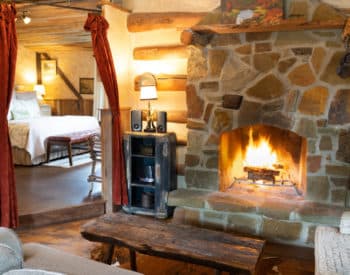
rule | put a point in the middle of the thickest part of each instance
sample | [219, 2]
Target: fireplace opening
[263, 157]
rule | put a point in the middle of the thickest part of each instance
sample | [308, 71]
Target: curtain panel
[98, 26]
[8, 57]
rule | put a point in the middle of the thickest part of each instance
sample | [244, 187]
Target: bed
[29, 130]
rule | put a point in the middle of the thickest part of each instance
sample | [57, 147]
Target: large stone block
[250, 113]
[314, 101]
[292, 100]
[217, 60]
[329, 75]
[317, 188]
[302, 75]
[243, 223]
[195, 104]
[274, 106]
[208, 112]
[266, 61]
[202, 179]
[191, 160]
[197, 64]
[277, 119]
[245, 49]
[281, 230]
[338, 170]
[263, 47]
[195, 141]
[307, 128]
[257, 36]
[286, 64]
[313, 164]
[213, 220]
[339, 112]
[225, 40]
[338, 196]
[196, 125]
[320, 213]
[222, 120]
[326, 143]
[290, 39]
[235, 75]
[343, 153]
[188, 198]
[221, 201]
[232, 101]
[317, 58]
[270, 87]
[212, 163]
[209, 86]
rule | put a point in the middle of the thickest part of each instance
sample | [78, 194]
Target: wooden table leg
[132, 259]
[110, 253]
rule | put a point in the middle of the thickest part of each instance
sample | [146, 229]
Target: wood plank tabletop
[217, 249]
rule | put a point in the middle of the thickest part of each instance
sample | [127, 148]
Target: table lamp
[148, 92]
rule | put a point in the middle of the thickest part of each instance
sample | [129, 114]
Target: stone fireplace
[282, 85]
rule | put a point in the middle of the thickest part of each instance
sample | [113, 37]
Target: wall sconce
[25, 18]
[40, 91]
[148, 92]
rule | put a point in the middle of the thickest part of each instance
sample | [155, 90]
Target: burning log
[256, 173]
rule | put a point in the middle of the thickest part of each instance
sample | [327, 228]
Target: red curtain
[8, 56]
[98, 26]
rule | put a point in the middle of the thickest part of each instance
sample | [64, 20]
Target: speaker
[161, 122]
[136, 120]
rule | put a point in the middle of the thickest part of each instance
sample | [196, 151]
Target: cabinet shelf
[137, 184]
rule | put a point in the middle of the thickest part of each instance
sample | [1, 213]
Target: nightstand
[45, 110]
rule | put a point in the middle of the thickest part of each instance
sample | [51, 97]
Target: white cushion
[10, 238]
[25, 95]
[29, 105]
[27, 271]
[9, 259]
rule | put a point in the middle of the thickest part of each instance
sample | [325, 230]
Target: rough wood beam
[68, 83]
[161, 52]
[189, 37]
[38, 68]
[166, 82]
[139, 22]
[346, 31]
[284, 25]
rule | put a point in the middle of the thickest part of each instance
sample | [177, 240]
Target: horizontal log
[189, 37]
[163, 52]
[283, 25]
[139, 22]
[166, 82]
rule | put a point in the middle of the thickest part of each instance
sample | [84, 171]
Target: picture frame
[263, 11]
[48, 67]
[86, 85]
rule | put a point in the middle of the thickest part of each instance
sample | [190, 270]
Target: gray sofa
[38, 256]
[37, 259]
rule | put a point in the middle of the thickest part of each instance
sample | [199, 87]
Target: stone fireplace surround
[282, 79]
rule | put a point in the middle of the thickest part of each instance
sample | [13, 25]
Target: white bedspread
[30, 134]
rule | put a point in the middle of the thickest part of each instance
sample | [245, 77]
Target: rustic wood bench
[219, 250]
[67, 141]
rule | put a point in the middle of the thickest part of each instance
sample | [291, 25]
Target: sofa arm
[332, 251]
[40, 256]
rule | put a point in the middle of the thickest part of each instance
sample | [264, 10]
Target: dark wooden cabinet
[150, 170]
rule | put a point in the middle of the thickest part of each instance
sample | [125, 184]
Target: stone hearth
[287, 80]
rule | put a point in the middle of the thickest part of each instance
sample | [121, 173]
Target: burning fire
[259, 153]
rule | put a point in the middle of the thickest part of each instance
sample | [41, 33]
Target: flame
[259, 153]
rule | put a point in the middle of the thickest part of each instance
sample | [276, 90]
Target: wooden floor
[50, 193]
[66, 237]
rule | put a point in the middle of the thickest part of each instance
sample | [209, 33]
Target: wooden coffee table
[216, 249]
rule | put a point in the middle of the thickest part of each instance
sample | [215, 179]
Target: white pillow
[9, 114]
[25, 95]
[29, 105]
[27, 271]
[10, 238]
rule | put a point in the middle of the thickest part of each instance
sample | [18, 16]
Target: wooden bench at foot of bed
[68, 140]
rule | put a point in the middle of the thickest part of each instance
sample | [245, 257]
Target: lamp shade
[148, 86]
[148, 92]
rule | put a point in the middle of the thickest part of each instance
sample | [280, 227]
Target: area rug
[78, 160]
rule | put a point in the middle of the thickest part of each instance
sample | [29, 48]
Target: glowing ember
[260, 153]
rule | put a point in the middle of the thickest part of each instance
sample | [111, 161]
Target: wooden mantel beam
[139, 22]
[283, 25]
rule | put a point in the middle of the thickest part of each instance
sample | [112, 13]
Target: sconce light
[148, 92]
[25, 18]
[40, 91]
